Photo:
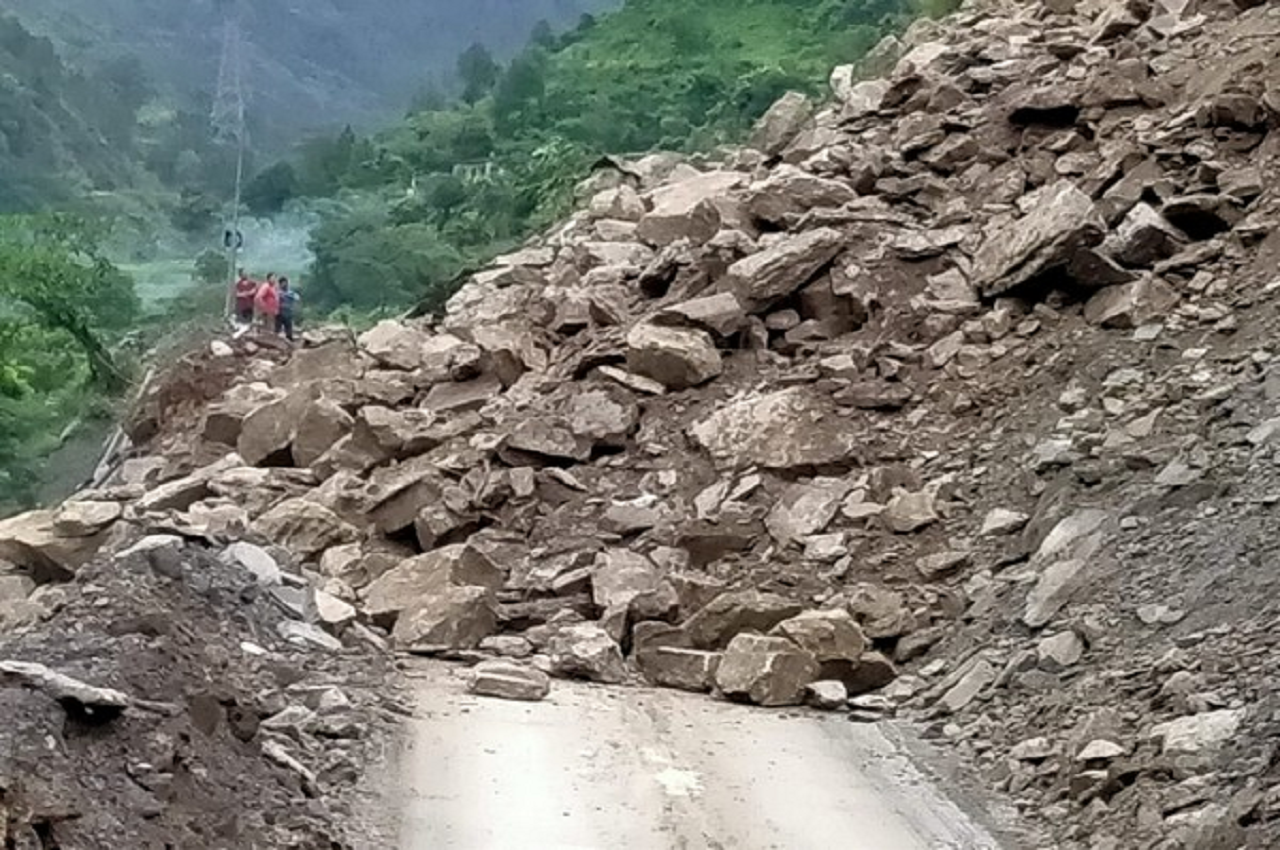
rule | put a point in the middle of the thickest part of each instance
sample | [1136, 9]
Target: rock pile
[959, 390]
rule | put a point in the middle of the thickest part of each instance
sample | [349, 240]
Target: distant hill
[312, 64]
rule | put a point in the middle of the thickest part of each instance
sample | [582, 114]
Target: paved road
[594, 768]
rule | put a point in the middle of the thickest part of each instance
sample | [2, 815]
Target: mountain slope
[310, 65]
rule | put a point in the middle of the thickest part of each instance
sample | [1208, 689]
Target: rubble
[952, 400]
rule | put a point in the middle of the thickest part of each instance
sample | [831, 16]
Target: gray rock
[1053, 590]
[830, 635]
[909, 512]
[782, 123]
[586, 652]
[418, 578]
[805, 509]
[780, 430]
[766, 671]
[1200, 734]
[827, 695]
[1002, 521]
[677, 358]
[1144, 238]
[451, 618]
[255, 560]
[508, 680]
[975, 679]
[678, 667]
[717, 623]
[1060, 651]
[687, 209]
[779, 270]
[1062, 220]
[719, 313]
[85, 518]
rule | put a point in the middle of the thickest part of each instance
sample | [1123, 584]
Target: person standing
[289, 299]
[267, 302]
[246, 289]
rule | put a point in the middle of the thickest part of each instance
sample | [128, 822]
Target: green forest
[110, 181]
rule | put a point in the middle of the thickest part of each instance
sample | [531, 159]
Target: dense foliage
[62, 306]
[471, 172]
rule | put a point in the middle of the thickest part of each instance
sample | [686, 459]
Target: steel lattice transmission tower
[228, 121]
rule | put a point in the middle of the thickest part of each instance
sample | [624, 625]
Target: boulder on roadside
[508, 680]
[304, 527]
[720, 620]
[420, 577]
[395, 344]
[827, 695]
[830, 635]
[586, 651]
[451, 618]
[767, 671]
[678, 667]
[677, 358]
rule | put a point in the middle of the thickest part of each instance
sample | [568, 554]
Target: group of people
[271, 304]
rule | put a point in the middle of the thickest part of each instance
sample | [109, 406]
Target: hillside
[655, 74]
[949, 404]
[310, 65]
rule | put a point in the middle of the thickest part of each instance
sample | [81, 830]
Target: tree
[543, 35]
[210, 267]
[53, 266]
[270, 190]
[478, 72]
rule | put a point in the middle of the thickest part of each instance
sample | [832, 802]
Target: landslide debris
[954, 399]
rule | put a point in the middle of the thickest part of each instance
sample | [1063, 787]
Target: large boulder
[620, 575]
[678, 667]
[323, 422]
[1062, 221]
[395, 344]
[790, 428]
[546, 437]
[830, 635]
[790, 191]
[782, 123]
[453, 618]
[768, 671]
[420, 577]
[586, 652]
[779, 270]
[688, 209]
[620, 203]
[677, 358]
[85, 518]
[509, 680]
[720, 620]
[30, 542]
[1064, 561]
[719, 313]
[858, 97]
[224, 418]
[269, 430]
[305, 528]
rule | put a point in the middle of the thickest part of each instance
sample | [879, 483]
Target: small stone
[1101, 750]
[1001, 521]
[1032, 749]
[1153, 614]
[826, 695]
[508, 680]
[1059, 651]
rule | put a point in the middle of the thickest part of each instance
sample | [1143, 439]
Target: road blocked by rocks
[596, 769]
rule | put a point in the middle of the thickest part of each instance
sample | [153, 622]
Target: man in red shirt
[246, 289]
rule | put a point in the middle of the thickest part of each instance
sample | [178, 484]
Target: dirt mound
[222, 700]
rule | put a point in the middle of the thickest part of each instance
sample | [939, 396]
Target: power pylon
[228, 120]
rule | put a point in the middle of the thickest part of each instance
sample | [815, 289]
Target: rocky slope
[954, 398]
